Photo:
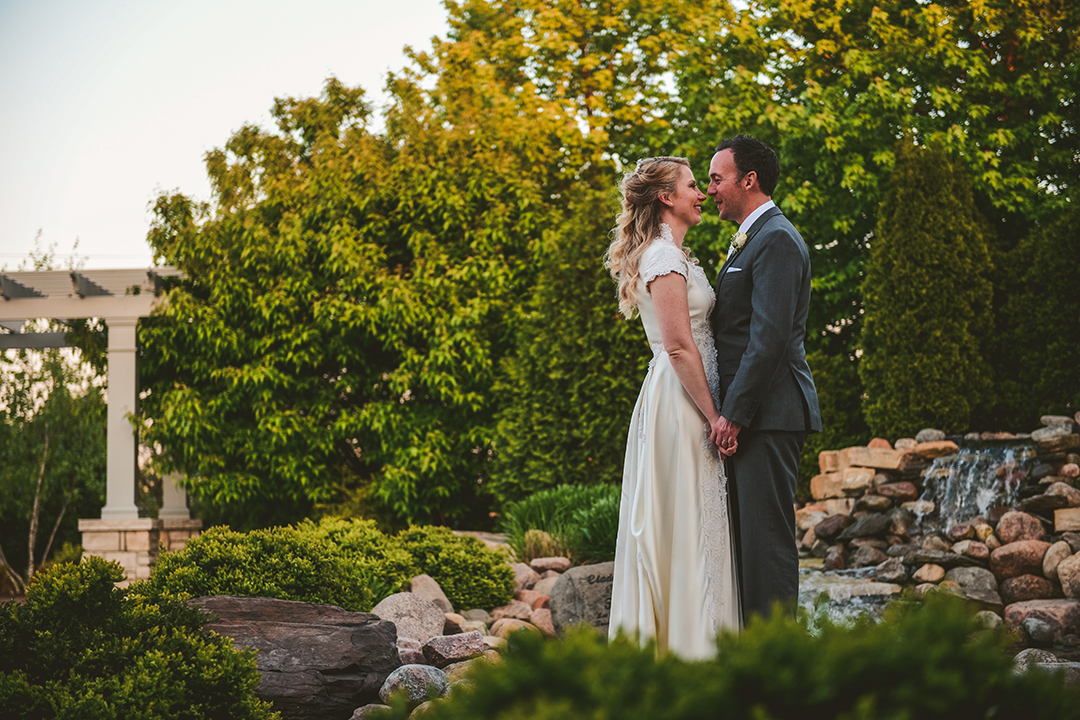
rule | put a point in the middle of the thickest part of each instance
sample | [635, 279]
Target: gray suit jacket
[759, 322]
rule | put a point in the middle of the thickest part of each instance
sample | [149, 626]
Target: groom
[768, 399]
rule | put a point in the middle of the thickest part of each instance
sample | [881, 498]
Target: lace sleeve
[662, 258]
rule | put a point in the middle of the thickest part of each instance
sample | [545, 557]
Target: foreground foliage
[927, 662]
[346, 563]
[80, 648]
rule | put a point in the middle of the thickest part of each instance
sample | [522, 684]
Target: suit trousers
[762, 475]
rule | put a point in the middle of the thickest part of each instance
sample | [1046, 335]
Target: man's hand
[725, 435]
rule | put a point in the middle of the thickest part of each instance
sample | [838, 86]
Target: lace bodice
[662, 257]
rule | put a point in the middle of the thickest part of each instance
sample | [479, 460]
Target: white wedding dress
[674, 579]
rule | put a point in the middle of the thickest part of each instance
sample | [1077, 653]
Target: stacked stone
[437, 645]
[1021, 563]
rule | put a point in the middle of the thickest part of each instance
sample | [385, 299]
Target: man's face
[727, 187]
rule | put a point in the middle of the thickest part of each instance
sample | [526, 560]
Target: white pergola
[119, 298]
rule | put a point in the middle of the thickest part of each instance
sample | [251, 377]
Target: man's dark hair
[752, 155]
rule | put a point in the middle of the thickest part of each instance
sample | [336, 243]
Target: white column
[121, 445]
[173, 499]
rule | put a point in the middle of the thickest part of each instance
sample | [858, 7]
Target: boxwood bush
[349, 563]
[81, 648]
[929, 661]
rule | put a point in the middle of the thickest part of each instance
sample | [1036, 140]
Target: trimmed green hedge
[929, 661]
[81, 648]
[348, 563]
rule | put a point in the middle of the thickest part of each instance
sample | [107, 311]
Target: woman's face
[685, 202]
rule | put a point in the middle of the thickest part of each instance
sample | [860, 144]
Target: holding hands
[725, 435]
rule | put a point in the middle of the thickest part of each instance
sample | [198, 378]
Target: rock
[1071, 494]
[1062, 616]
[1018, 558]
[976, 584]
[900, 492]
[867, 457]
[1052, 431]
[558, 564]
[929, 435]
[314, 660]
[873, 503]
[1040, 471]
[1070, 470]
[919, 507]
[503, 628]
[832, 526]
[1053, 557]
[809, 539]
[525, 576]
[457, 672]
[1043, 503]
[454, 623]
[1037, 631]
[495, 643]
[1026, 659]
[583, 594]
[906, 444]
[1068, 572]
[928, 573]
[973, 549]
[849, 482]
[807, 518]
[835, 558]
[948, 558]
[515, 609]
[829, 461]
[1015, 526]
[869, 524]
[417, 683]
[426, 587]
[410, 652]
[449, 649]
[891, 571]
[960, 531]
[923, 589]
[1059, 445]
[413, 616]
[1067, 520]
[542, 603]
[983, 531]
[935, 449]
[879, 444]
[871, 542]
[867, 556]
[1051, 420]
[837, 506]
[368, 711]
[1073, 539]
[470, 625]
[477, 614]
[901, 522]
[529, 597]
[988, 619]
[541, 618]
[1028, 587]
[933, 542]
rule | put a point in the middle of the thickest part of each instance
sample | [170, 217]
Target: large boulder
[1028, 587]
[315, 661]
[583, 594]
[1018, 558]
[428, 588]
[415, 617]
[1015, 526]
[1062, 616]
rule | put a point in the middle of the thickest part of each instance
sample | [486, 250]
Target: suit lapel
[758, 224]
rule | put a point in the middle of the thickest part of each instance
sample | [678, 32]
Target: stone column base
[136, 543]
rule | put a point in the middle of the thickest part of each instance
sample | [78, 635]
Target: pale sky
[105, 103]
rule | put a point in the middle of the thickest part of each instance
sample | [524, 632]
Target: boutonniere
[737, 241]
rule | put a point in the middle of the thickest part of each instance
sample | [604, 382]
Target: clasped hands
[724, 434]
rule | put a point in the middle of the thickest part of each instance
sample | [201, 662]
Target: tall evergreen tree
[927, 300]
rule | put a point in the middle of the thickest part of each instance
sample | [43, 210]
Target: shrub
[928, 300]
[582, 520]
[386, 565]
[471, 575]
[929, 661]
[81, 648]
[277, 562]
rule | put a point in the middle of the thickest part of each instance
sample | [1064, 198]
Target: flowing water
[962, 486]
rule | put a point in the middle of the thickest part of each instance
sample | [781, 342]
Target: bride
[675, 579]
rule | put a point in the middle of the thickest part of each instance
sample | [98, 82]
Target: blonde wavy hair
[639, 222]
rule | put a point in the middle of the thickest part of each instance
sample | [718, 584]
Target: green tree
[1038, 336]
[927, 300]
